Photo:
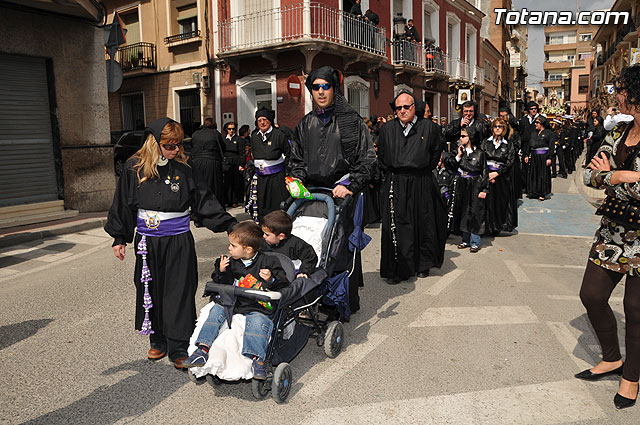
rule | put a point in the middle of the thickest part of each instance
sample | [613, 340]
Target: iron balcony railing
[137, 56]
[181, 37]
[297, 22]
[408, 53]
[460, 70]
[435, 61]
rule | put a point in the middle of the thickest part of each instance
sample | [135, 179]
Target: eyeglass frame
[405, 107]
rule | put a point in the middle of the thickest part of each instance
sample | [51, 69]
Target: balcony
[465, 72]
[183, 38]
[137, 57]
[549, 84]
[310, 27]
[436, 62]
[565, 64]
[408, 54]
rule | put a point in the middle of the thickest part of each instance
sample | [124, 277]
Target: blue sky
[535, 50]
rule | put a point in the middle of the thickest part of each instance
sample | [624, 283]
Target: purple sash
[467, 175]
[272, 169]
[494, 165]
[153, 226]
[541, 151]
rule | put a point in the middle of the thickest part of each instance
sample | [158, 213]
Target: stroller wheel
[214, 381]
[259, 389]
[194, 379]
[281, 385]
[333, 339]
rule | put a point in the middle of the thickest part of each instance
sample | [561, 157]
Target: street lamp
[399, 22]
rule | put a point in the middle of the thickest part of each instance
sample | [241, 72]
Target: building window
[555, 77]
[584, 55]
[188, 18]
[183, 24]
[358, 95]
[585, 37]
[583, 84]
[131, 23]
[132, 108]
[555, 39]
[189, 108]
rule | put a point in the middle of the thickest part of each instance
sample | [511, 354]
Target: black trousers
[597, 285]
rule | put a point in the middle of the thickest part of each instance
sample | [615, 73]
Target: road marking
[548, 403]
[471, 316]
[78, 238]
[517, 271]
[557, 236]
[570, 344]
[44, 255]
[339, 366]
[442, 283]
[555, 266]
[7, 272]
[577, 298]
[62, 261]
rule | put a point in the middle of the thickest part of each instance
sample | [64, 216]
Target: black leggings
[597, 285]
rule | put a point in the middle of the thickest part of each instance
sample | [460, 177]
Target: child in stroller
[245, 241]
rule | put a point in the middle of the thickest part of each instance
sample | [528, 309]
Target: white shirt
[264, 135]
[532, 119]
[612, 121]
[497, 143]
[407, 126]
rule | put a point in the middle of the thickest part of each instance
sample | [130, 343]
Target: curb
[62, 229]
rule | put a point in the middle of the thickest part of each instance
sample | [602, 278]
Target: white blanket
[225, 356]
[310, 229]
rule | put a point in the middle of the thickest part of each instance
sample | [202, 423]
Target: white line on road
[555, 266]
[471, 316]
[548, 403]
[339, 366]
[570, 344]
[577, 298]
[443, 282]
[557, 236]
[517, 271]
[7, 272]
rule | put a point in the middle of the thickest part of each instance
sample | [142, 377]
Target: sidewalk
[86, 221]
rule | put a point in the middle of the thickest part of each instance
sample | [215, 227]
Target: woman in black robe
[539, 153]
[467, 210]
[153, 196]
[413, 213]
[596, 138]
[233, 166]
[501, 202]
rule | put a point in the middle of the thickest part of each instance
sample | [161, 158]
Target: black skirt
[501, 205]
[539, 178]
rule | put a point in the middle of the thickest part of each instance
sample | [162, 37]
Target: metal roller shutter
[27, 168]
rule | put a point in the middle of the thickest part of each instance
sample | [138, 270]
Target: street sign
[611, 88]
[514, 60]
[294, 87]
[114, 75]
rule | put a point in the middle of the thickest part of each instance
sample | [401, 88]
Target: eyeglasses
[231, 128]
[405, 107]
[498, 126]
[171, 146]
[323, 86]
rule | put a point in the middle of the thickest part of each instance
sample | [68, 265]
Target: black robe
[171, 259]
[501, 202]
[415, 207]
[233, 178]
[271, 188]
[526, 130]
[207, 155]
[319, 158]
[539, 177]
[467, 211]
[296, 249]
[478, 131]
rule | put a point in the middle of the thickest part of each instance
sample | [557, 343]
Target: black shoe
[622, 402]
[564, 176]
[423, 274]
[587, 375]
[394, 280]
[553, 176]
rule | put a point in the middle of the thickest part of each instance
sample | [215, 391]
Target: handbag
[625, 213]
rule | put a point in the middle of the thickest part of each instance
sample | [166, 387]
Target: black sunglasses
[171, 146]
[405, 107]
[323, 86]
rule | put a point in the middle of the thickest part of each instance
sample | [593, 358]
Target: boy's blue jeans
[471, 238]
[257, 331]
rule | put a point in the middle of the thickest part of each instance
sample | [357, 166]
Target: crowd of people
[421, 180]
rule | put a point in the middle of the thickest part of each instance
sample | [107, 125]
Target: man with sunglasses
[207, 157]
[414, 218]
[527, 128]
[332, 148]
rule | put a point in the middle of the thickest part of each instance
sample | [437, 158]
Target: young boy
[277, 227]
[245, 257]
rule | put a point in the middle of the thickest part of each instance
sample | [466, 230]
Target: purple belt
[494, 165]
[344, 182]
[540, 151]
[153, 225]
[272, 169]
[467, 175]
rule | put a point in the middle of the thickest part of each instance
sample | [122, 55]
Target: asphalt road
[491, 338]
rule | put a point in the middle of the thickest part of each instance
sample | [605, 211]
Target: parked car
[129, 143]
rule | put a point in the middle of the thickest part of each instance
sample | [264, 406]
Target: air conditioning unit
[206, 82]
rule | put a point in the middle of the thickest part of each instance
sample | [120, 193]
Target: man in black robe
[332, 148]
[477, 128]
[207, 156]
[514, 137]
[270, 148]
[527, 128]
[414, 218]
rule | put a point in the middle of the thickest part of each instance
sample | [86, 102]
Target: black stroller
[296, 316]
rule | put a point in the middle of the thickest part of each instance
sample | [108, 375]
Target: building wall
[77, 55]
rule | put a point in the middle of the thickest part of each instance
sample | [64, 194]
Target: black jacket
[478, 131]
[237, 270]
[207, 143]
[319, 158]
[411, 34]
[545, 139]
[296, 249]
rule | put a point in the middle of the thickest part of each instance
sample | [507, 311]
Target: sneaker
[257, 368]
[475, 248]
[197, 359]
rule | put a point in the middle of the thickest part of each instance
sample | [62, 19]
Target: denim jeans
[471, 238]
[256, 336]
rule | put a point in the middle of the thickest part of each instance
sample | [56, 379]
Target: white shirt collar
[248, 262]
[264, 135]
[407, 126]
[497, 144]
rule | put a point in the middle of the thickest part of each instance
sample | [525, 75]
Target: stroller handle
[253, 294]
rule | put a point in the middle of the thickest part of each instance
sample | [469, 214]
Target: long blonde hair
[149, 154]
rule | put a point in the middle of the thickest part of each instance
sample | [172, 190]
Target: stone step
[6, 222]
[31, 209]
